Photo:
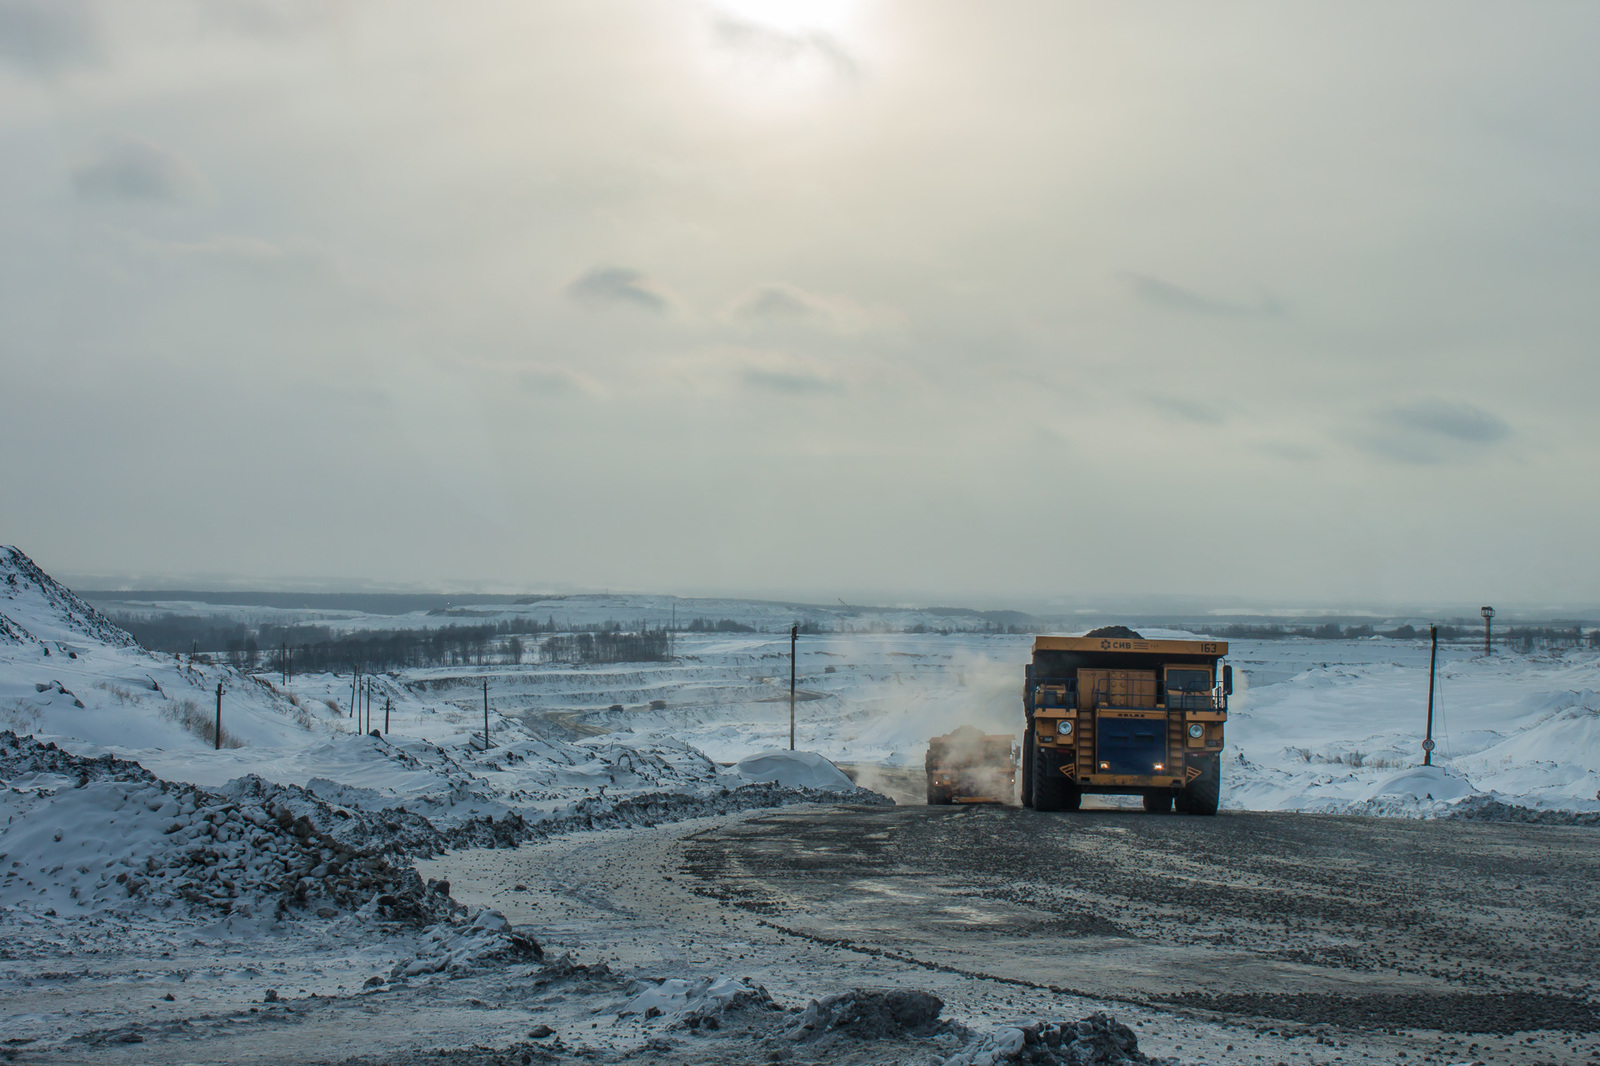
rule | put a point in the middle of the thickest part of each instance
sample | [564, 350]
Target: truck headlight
[1065, 729]
[1197, 731]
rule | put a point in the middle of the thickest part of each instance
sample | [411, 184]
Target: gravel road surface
[1487, 935]
[1250, 939]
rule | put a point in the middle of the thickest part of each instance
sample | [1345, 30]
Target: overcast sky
[991, 302]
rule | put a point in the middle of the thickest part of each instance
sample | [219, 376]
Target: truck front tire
[1202, 795]
[1051, 789]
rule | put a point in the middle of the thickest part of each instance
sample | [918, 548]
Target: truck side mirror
[1227, 680]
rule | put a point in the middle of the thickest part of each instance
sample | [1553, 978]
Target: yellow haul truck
[1111, 712]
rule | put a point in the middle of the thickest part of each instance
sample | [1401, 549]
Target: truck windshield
[1188, 688]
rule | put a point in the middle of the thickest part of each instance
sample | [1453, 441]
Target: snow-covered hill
[67, 671]
[73, 677]
[34, 607]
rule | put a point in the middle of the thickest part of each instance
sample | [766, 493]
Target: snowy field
[287, 855]
[1315, 725]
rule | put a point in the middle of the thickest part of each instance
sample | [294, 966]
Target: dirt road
[1238, 939]
[1474, 930]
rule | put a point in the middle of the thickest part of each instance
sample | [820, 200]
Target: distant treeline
[1523, 637]
[208, 633]
[609, 646]
[1526, 638]
[721, 625]
[1334, 631]
[730, 625]
[318, 649]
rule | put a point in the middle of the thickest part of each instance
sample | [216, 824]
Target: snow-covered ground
[129, 836]
[1339, 726]
[1315, 725]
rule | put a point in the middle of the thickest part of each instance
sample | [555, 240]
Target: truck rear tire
[1159, 802]
[1051, 789]
[1202, 795]
[1027, 767]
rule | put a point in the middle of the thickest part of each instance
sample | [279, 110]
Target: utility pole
[219, 715]
[794, 637]
[353, 682]
[283, 660]
[386, 716]
[1488, 613]
[1433, 661]
[486, 714]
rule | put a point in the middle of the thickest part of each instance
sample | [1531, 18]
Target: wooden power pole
[1433, 662]
[794, 637]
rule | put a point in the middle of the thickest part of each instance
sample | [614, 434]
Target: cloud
[1164, 294]
[271, 19]
[44, 36]
[777, 303]
[727, 371]
[136, 169]
[543, 379]
[1290, 451]
[776, 46]
[1453, 421]
[782, 305]
[1199, 412]
[609, 286]
[785, 373]
[794, 381]
[253, 255]
[1433, 430]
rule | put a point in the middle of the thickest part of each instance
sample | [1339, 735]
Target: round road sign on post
[1427, 745]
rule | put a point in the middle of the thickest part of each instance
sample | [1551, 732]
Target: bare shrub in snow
[202, 724]
[118, 693]
[19, 716]
[1356, 759]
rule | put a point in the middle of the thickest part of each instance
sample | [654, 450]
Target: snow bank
[1095, 1041]
[1435, 783]
[872, 1014]
[696, 1004]
[454, 950]
[793, 769]
[105, 835]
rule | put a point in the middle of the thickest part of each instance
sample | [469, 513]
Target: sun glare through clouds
[792, 16]
[784, 54]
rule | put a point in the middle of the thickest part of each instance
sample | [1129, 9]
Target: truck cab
[1111, 712]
